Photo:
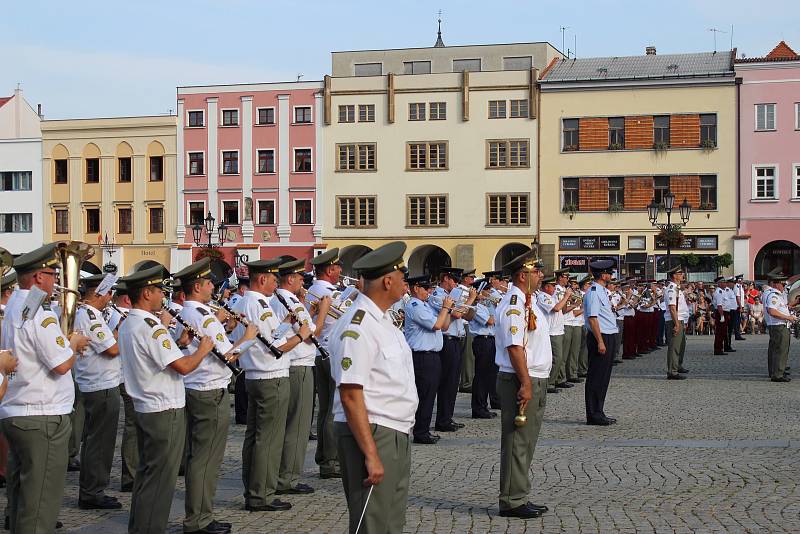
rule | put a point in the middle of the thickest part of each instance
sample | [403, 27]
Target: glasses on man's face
[49, 273]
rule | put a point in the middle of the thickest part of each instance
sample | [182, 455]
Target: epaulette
[263, 303]
[91, 314]
[150, 322]
[202, 311]
[513, 300]
[358, 316]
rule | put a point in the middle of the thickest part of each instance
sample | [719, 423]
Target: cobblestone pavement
[716, 453]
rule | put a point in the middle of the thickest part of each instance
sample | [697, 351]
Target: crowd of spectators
[698, 296]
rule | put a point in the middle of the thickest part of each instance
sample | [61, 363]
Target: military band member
[98, 374]
[627, 313]
[467, 354]
[376, 397]
[601, 342]
[736, 316]
[552, 303]
[498, 288]
[615, 298]
[153, 367]
[481, 329]
[730, 305]
[675, 324]
[34, 414]
[267, 386]
[7, 286]
[778, 319]
[720, 319]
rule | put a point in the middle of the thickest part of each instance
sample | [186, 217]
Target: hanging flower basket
[670, 237]
[205, 252]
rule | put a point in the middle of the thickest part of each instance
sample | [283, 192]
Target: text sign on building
[568, 243]
[589, 242]
[693, 242]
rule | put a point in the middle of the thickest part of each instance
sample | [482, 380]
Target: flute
[322, 351]
[239, 318]
[194, 333]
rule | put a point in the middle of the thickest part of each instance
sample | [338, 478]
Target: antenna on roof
[575, 46]
[299, 75]
[715, 31]
[563, 45]
[731, 36]
[439, 43]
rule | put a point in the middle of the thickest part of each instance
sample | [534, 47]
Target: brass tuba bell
[70, 255]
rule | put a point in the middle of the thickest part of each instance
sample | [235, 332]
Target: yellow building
[617, 133]
[112, 177]
[436, 147]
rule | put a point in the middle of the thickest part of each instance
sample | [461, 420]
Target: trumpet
[348, 280]
[334, 311]
[241, 319]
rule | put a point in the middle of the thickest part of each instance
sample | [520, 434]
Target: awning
[636, 257]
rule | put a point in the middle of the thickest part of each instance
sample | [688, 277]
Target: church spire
[439, 42]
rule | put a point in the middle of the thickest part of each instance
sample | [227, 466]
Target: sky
[106, 58]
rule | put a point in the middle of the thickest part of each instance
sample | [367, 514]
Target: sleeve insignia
[348, 303]
[150, 322]
[60, 342]
[265, 315]
[202, 311]
[101, 336]
[513, 311]
[346, 362]
[350, 333]
[47, 322]
[335, 295]
[95, 326]
[299, 309]
[220, 338]
[593, 288]
[159, 332]
[91, 314]
[358, 317]
[414, 303]
[513, 330]
[263, 303]
[513, 300]
[166, 344]
[207, 321]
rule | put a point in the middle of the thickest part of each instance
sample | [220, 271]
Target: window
[708, 192]
[196, 166]
[416, 67]
[266, 212]
[366, 113]
[518, 63]
[17, 223]
[62, 221]
[368, 69]
[347, 113]
[124, 169]
[472, 65]
[356, 211]
[660, 188]
[416, 111]
[571, 131]
[438, 111]
[571, 189]
[125, 222]
[429, 210]
[507, 153]
[230, 117]
[508, 210]
[230, 212]
[616, 133]
[265, 116]
[765, 117]
[356, 157]
[519, 109]
[797, 116]
[637, 242]
[302, 160]
[302, 211]
[302, 115]
[266, 161]
[61, 171]
[92, 220]
[197, 213]
[196, 119]
[497, 109]
[661, 131]
[157, 169]
[708, 129]
[616, 193]
[92, 171]
[15, 181]
[426, 156]
[156, 220]
[764, 183]
[796, 184]
[230, 162]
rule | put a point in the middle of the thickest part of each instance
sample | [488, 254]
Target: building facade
[21, 225]
[769, 166]
[617, 133]
[112, 177]
[249, 155]
[434, 146]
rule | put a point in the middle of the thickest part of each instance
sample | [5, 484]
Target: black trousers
[485, 372]
[660, 335]
[599, 374]
[448, 383]
[240, 400]
[731, 319]
[736, 319]
[427, 374]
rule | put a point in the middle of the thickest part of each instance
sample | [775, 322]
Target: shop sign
[693, 242]
[589, 242]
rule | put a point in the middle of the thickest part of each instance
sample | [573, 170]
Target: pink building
[769, 164]
[250, 155]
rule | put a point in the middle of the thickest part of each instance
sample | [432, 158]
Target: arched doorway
[144, 264]
[348, 256]
[507, 253]
[777, 254]
[428, 259]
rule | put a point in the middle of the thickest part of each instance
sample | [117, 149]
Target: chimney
[39, 111]
[650, 50]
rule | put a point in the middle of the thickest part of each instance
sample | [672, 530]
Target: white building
[20, 175]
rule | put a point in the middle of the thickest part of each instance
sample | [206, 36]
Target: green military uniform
[778, 329]
[467, 356]
[676, 343]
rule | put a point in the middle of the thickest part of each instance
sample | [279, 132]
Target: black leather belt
[483, 336]
[448, 336]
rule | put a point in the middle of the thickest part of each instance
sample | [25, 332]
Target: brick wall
[687, 187]
[593, 194]
[638, 192]
[684, 131]
[639, 132]
[593, 133]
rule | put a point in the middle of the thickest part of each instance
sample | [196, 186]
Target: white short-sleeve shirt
[211, 373]
[303, 354]
[93, 370]
[512, 329]
[555, 318]
[258, 361]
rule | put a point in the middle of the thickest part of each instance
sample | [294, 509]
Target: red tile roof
[782, 52]
[3, 100]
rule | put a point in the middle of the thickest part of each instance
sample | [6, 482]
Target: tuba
[70, 255]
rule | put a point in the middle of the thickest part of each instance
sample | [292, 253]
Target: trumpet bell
[6, 261]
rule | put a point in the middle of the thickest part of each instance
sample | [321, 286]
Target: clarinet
[244, 322]
[322, 350]
[194, 333]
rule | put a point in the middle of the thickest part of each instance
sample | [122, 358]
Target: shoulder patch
[346, 362]
[202, 311]
[101, 336]
[263, 303]
[166, 344]
[47, 322]
[265, 315]
[513, 300]
[513, 330]
[159, 332]
[512, 312]
[91, 314]
[208, 322]
[60, 342]
[350, 333]
[149, 321]
[358, 317]
[220, 338]
[299, 309]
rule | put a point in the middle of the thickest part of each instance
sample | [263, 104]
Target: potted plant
[671, 237]
[708, 144]
[616, 207]
[570, 209]
[706, 206]
[660, 146]
[723, 261]
[206, 252]
[615, 146]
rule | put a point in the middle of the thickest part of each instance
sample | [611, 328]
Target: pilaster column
[213, 156]
[319, 166]
[180, 172]
[285, 164]
[248, 228]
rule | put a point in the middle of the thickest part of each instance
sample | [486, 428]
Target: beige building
[617, 133]
[436, 147]
[112, 177]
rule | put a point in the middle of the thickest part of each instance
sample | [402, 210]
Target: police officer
[778, 318]
[34, 415]
[729, 304]
[601, 343]
[675, 324]
[376, 398]
[720, 320]
[525, 359]
[423, 331]
[481, 329]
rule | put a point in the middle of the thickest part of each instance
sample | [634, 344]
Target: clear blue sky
[96, 58]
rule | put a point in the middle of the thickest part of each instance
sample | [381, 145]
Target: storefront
[586, 250]
[691, 253]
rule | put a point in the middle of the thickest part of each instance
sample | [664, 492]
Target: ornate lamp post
[208, 225]
[110, 247]
[668, 205]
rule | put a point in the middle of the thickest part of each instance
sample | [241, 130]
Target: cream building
[617, 133]
[436, 147]
[112, 177]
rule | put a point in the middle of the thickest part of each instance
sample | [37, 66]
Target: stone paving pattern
[716, 453]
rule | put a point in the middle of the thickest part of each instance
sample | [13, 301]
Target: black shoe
[565, 385]
[211, 528]
[497, 406]
[449, 427]
[127, 488]
[457, 425]
[781, 379]
[334, 474]
[483, 415]
[542, 508]
[2, 481]
[312, 436]
[300, 489]
[616, 360]
[74, 465]
[575, 380]
[683, 370]
[465, 390]
[437, 437]
[730, 349]
[523, 512]
[426, 439]
[676, 377]
[611, 420]
[104, 503]
[552, 390]
[275, 506]
[740, 338]
[598, 422]
[720, 353]
[222, 524]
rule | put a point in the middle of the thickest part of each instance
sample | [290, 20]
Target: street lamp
[668, 203]
[208, 225]
[110, 247]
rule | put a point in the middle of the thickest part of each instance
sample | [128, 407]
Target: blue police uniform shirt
[478, 326]
[418, 326]
[456, 327]
[596, 304]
